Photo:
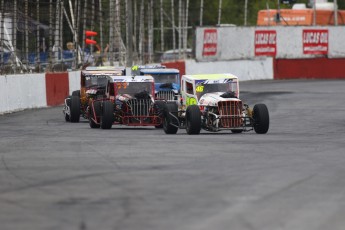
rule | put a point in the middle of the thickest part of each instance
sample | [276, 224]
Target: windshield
[132, 88]
[166, 78]
[202, 89]
[95, 80]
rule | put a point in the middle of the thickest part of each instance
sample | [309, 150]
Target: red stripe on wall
[315, 68]
[57, 88]
[180, 65]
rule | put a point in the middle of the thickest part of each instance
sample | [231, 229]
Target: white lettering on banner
[265, 43]
[315, 41]
[265, 38]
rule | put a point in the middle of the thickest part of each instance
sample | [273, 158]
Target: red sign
[210, 42]
[315, 42]
[265, 43]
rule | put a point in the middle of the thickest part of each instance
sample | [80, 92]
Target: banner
[210, 42]
[265, 43]
[315, 41]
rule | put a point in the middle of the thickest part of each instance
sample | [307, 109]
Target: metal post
[186, 29]
[245, 11]
[141, 32]
[314, 12]
[162, 25]
[26, 13]
[173, 24]
[111, 31]
[278, 13]
[335, 12]
[130, 34]
[179, 27]
[38, 32]
[201, 11]
[219, 12]
[2, 27]
[150, 31]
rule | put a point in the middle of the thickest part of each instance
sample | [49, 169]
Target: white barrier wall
[74, 81]
[255, 69]
[236, 43]
[18, 92]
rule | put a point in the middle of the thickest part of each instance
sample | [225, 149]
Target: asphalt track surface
[57, 175]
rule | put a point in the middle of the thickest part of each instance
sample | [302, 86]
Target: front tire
[168, 118]
[75, 109]
[261, 118]
[193, 120]
[107, 117]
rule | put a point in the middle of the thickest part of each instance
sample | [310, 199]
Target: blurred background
[50, 35]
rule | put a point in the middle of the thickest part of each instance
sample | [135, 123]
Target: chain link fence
[49, 35]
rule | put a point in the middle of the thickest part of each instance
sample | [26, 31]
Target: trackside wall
[74, 81]
[18, 92]
[296, 51]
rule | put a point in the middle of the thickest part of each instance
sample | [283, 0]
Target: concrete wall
[18, 92]
[235, 43]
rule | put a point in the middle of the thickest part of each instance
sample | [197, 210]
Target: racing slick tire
[95, 110]
[75, 109]
[168, 118]
[261, 118]
[107, 117]
[76, 93]
[193, 120]
[68, 103]
[159, 105]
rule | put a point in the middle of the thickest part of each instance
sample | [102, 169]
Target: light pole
[335, 12]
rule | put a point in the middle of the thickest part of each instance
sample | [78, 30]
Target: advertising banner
[210, 42]
[315, 41]
[265, 43]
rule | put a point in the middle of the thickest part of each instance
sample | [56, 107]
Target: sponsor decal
[210, 42]
[315, 41]
[265, 43]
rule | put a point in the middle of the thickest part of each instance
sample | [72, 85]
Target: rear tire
[261, 118]
[75, 109]
[107, 117]
[96, 110]
[193, 120]
[168, 118]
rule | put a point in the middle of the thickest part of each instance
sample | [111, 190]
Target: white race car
[211, 102]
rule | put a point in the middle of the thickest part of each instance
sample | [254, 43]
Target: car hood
[212, 99]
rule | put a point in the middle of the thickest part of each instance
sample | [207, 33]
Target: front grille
[230, 114]
[139, 107]
[165, 95]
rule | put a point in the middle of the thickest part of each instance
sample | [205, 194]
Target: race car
[93, 81]
[211, 102]
[167, 80]
[129, 101]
